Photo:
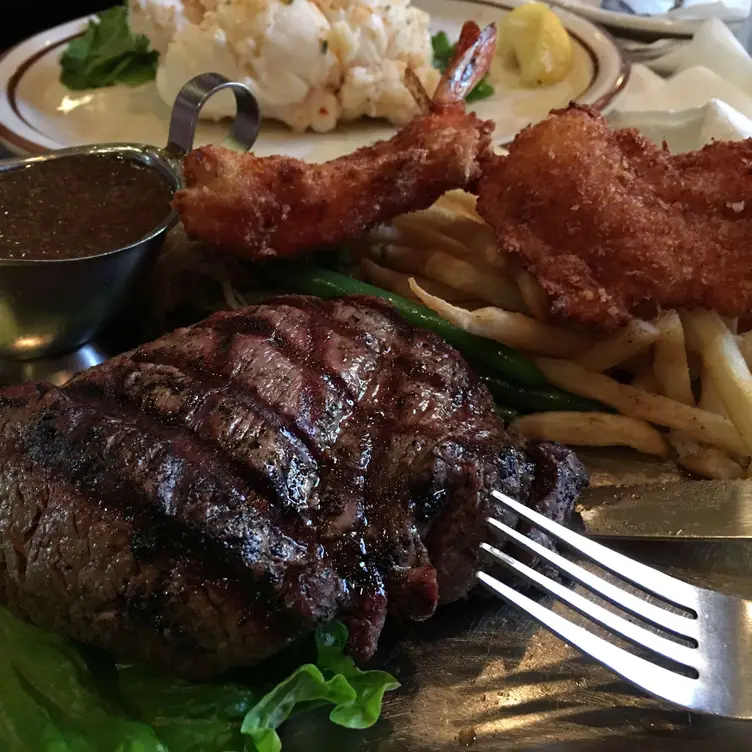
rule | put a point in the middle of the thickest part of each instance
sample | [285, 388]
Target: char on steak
[208, 498]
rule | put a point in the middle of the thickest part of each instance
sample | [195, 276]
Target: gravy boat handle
[191, 99]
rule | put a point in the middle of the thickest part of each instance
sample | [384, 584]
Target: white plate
[38, 113]
[658, 26]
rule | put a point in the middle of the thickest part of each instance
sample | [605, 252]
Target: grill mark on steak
[175, 398]
[319, 397]
[283, 341]
[383, 445]
[242, 526]
[328, 321]
[143, 592]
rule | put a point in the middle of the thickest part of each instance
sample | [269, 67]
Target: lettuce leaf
[49, 700]
[57, 697]
[355, 694]
[187, 716]
[369, 686]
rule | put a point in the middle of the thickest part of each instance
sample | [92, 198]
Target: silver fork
[709, 670]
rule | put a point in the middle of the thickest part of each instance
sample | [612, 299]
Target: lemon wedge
[533, 38]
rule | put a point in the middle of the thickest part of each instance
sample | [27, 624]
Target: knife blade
[699, 510]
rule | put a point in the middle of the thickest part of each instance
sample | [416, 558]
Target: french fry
[647, 381]
[470, 305]
[703, 460]
[512, 329]
[399, 282]
[461, 202]
[692, 342]
[670, 361]
[726, 367]
[533, 294]
[732, 324]
[472, 280]
[474, 235]
[379, 236]
[635, 338]
[400, 258]
[745, 345]
[670, 364]
[710, 399]
[415, 231]
[701, 425]
[593, 429]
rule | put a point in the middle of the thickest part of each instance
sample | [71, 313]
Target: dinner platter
[290, 445]
[38, 113]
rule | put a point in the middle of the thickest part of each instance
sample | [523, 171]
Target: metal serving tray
[480, 675]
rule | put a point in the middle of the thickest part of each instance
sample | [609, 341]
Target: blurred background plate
[38, 113]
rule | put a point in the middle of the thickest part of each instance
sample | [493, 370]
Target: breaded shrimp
[614, 226]
[266, 207]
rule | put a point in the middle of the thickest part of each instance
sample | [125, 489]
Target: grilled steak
[208, 498]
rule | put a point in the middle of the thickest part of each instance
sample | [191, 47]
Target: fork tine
[649, 579]
[676, 623]
[653, 679]
[615, 623]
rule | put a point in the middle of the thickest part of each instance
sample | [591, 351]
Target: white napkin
[715, 47]
[707, 96]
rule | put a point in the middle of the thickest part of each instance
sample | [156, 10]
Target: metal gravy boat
[50, 308]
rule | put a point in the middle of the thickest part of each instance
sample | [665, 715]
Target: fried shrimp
[613, 226]
[266, 207]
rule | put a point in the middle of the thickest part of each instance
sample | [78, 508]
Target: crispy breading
[613, 226]
[281, 207]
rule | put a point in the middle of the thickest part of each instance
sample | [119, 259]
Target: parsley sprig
[107, 54]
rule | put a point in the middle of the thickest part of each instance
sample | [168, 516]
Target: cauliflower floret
[161, 21]
[310, 63]
[379, 92]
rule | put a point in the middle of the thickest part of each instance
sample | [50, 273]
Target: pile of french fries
[689, 391]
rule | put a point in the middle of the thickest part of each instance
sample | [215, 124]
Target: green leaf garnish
[482, 91]
[55, 697]
[107, 54]
[443, 50]
[334, 680]
[49, 699]
[187, 716]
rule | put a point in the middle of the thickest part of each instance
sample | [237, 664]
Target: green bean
[545, 399]
[507, 414]
[325, 283]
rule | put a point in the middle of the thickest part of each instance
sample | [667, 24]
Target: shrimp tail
[416, 88]
[471, 61]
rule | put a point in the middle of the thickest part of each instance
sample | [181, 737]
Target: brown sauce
[79, 206]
